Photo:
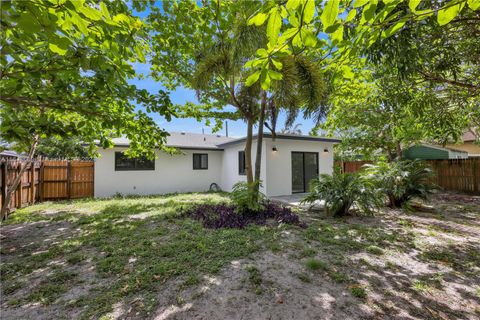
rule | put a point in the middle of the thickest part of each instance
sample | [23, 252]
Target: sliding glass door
[304, 169]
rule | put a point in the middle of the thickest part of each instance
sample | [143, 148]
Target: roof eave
[284, 137]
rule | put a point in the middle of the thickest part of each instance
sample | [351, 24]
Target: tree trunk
[248, 151]
[399, 151]
[11, 190]
[258, 159]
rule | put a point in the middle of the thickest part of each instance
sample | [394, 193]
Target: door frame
[303, 168]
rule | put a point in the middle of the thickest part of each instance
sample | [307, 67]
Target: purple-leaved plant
[215, 216]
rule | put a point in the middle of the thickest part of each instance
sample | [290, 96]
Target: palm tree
[215, 61]
[292, 130]
[301, 88]
[221, 64]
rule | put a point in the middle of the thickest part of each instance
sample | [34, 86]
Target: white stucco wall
[173, 173]
[279, 163]
[230, 174]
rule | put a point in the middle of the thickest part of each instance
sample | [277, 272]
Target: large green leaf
[448, 13]
[309, 38]
[293, 4]
[474, 4]
[59, 45]
[309, 11]
[351, 15]
[274, 24]
[265, 80]
[330, 13]
[252, 78]
[369, 11]
[91, 13]
[258, 19]
[104, 9]
[360, 3]
[413, 4]
[394, 28]
[337, 36]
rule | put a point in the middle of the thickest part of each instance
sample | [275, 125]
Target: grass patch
[374, 250]
[358, 291]
[75, 258]
[255, 278]
[338, 276]
[315, 265]
[304, 277]
[309, 252]
[421, 286]
[50, 289]
[136, 244]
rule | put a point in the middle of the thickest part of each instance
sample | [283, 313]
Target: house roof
[186, 140]
[468, 136]
[12, 154]
[439, 147]
[284, 136]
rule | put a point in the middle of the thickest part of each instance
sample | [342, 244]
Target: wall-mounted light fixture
[274, 149]
[325, 150]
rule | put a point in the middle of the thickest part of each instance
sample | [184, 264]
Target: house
[433, 152]
[468, 144]
[288, 163]
[10, 155]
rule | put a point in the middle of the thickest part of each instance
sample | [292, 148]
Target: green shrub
[245, 197]
[358, 291]
[402, 181]
[341, 191]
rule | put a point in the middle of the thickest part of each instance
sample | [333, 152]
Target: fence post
[4, 181]
[475, 177]
[19, 187]
[40, 182]
[32, 182]
[69, 179]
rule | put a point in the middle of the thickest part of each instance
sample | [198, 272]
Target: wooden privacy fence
[46, 180]
[462, 175]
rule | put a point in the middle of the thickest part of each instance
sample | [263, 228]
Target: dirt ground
[395, 265]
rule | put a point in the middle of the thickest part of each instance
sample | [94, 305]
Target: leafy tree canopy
[53, 148]
[352, 27]
[64, 71]
[401, 71]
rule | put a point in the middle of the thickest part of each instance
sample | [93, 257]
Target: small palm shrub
[402, 181]
[342, 191]
[245, 197]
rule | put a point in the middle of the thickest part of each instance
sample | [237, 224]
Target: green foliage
[402, 181]
[212, 61]
[65, 67]
[379, 113]
[255, 278]
[366, 23]
[358, 291]
[374, 250]
[54, 148]
[246, 198]
[314, 265]
[341, 191]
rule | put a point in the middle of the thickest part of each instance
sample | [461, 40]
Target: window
[123, 163]
[241, 163]
[200, 161]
